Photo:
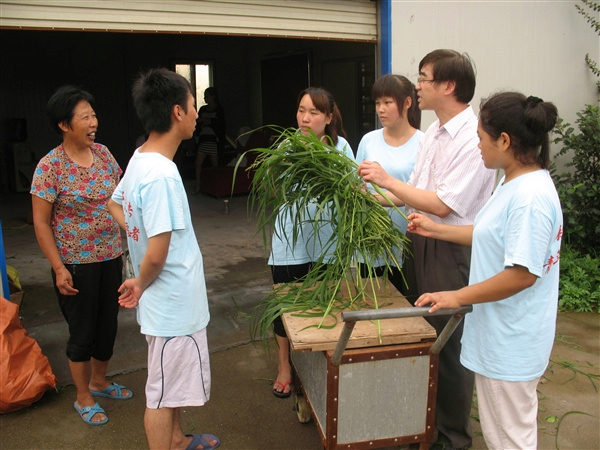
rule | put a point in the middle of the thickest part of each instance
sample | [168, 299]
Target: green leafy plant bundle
[308, 181]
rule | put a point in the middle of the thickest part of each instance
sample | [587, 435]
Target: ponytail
[527, 120]
[540, 118]
[414, 112]
[336, 127]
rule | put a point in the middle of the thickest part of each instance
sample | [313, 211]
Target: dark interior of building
[258, 80]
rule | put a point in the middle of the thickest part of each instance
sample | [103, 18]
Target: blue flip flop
[117, 388]
[91, 411]
[198, 439]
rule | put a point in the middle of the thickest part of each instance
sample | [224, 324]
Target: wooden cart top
[305, 336]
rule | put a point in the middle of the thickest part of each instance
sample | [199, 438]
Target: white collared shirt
[449, 163]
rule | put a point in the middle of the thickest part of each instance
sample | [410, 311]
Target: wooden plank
[304, 334]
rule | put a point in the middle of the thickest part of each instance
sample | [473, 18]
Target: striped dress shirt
[449, 163]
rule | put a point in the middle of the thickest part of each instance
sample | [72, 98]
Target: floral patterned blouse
[84, 230]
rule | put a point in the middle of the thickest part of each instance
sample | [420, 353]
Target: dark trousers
[92, 313]
[443, 266]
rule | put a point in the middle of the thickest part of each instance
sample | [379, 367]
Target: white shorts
[508, 412]
[178, 371]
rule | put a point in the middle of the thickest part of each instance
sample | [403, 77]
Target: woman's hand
[422, 225]
[439, 300]
[64, 282]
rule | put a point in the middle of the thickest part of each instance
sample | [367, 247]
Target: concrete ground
[242, 412]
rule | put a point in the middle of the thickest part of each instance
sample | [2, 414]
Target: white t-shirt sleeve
[117, 195]
[527, 233]
[167, 212]
[345, 148]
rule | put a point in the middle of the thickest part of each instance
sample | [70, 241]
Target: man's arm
[150, 268]
[154, 258]
[116, 211]
[419, 199]
[390, 198]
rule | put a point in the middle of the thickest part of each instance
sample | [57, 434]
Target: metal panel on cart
[382, 399]
[382, 392]
[311, 368]
[377, 397]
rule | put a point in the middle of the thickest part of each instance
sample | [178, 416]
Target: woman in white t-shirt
[513, 283]
[291, 260]
[394, 147]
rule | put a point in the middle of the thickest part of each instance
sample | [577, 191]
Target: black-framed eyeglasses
[422, 80]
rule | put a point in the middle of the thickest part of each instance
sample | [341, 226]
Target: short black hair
[450, 65]
[155, 92]
[61, 106]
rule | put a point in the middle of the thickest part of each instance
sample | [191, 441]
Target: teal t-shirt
[521, 224]
[396, 161]
[154, 202]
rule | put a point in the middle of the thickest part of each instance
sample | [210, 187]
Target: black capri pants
[287, 274]
[92, 313]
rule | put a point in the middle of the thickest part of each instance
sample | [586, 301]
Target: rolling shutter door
[354, 20]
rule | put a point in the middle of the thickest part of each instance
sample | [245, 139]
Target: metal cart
[373, 389]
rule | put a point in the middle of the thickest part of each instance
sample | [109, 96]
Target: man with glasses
[450, 184]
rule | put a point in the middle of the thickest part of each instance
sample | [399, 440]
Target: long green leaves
[314, 185]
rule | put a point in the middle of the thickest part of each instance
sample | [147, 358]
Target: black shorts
[92, 313]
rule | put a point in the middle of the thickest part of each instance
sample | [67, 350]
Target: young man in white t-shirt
[168, 289]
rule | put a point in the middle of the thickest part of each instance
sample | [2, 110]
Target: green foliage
[593, 6]
[579, 289]
[579, 188]
[579, 192]
[301, 173]
[592, 65]
[590, 7]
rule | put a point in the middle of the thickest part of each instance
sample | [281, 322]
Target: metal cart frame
[397, 409]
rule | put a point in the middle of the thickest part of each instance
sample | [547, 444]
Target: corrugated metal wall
[354, 20]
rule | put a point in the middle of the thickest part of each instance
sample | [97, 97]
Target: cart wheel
[302, 409]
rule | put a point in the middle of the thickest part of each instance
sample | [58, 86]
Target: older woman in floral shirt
[70, 190]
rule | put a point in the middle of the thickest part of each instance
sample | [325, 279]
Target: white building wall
[535, 47]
